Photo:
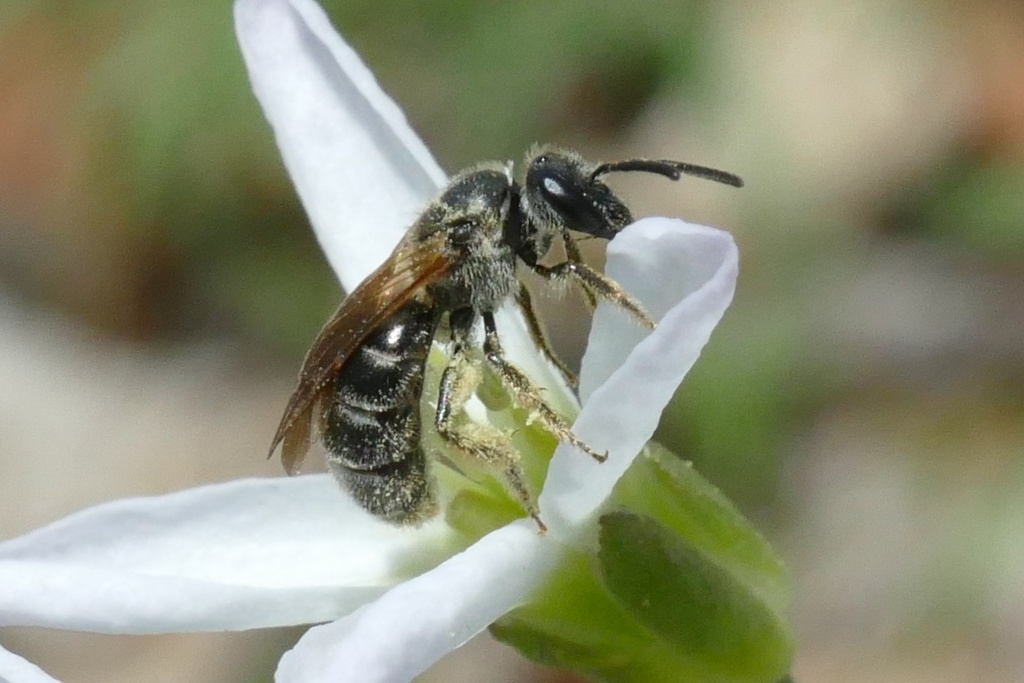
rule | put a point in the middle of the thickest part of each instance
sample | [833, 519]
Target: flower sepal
[677, 585]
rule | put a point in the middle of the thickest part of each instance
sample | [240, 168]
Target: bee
[360, 386]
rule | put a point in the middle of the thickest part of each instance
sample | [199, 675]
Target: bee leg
[480, 442]
[597, 285]
[528, 394]
[540, 338]
[572, 251]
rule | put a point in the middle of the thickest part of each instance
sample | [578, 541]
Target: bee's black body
[363, 378]
[372, 424]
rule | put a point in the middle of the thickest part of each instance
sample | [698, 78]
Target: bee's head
[562, 192]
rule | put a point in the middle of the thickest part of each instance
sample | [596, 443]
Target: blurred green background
[862, 400]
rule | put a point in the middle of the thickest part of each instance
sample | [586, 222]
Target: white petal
[246, 554]
[362, 173]
[685, 275]
[416, 623]
[14, 669]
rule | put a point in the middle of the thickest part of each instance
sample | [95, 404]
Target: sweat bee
[360, 385]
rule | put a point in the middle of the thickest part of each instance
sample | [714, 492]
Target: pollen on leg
[527, 394]
[482, 443]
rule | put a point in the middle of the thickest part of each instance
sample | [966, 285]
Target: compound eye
[583, 207]
[553, 187]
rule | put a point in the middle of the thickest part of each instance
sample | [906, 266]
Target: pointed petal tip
[360, 169]
[251, 14]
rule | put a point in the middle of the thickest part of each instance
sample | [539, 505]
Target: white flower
[15, 669]
[258, 553]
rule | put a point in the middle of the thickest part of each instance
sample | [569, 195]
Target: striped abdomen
[372, 426]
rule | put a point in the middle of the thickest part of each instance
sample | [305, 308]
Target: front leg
[528, 394]
[595, 284]
[573, 253]
[539, 337]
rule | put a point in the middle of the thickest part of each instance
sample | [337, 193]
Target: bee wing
[409, 269]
